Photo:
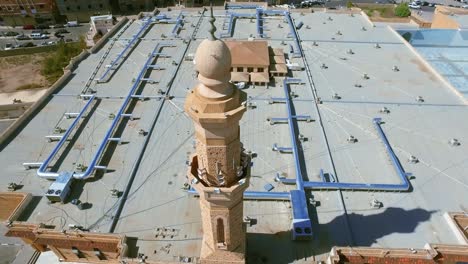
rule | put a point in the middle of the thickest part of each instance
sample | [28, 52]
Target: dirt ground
[22, 72]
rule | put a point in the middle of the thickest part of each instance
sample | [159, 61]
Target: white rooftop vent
[351, 139]
[336, 96]
[384, 110]
[454, 142]
[413, 159]
[420, 99]
[395, 68]
[376, 203]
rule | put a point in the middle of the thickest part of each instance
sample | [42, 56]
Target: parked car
[42, 26]
[72, 24]
[417, 2]
[62, 31]
[11, 34]
[27, 45]
[22, 37]
[39, 36]
[465, 6]
[424, 3]
[8, 46]
[414, 6]
[69, 40]
[29, 27]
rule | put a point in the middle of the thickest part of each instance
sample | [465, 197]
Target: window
[250, 69]
[220, 233]
[240, 69]
[89, 6]
[260, 69]
[232, 69]
[100, 5]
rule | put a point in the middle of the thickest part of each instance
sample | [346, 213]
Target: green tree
[402, 10]
[349, 4]
[52, 66]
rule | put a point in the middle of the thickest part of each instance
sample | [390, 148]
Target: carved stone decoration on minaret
[219, 171]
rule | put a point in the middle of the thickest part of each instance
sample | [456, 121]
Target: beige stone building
[255, 62]
[32, 12]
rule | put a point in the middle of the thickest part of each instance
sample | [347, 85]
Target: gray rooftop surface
[156, 198]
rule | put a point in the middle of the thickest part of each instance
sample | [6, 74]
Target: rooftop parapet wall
[73, 246]
[459, 224]
[432, 253]
[12, 204]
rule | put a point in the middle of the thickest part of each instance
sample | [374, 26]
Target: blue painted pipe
[122, 53]
[178, 24]
[233, 6]
[403, 186]
[42, 171]
[258, 15]
[233, 16]
[297, 51]
[118, 116]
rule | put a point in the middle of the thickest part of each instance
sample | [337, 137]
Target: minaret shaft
[219, 171]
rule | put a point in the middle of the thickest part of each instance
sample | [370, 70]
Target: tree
[402, 10]
[349, 4]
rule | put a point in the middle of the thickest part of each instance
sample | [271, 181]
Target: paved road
[75, 33]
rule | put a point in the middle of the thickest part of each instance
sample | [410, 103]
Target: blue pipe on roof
[302, 227]
[258, 15]
[234, 6]
[403, 186]
[41, 172]
[233, 16]
[297, 51]
[118, 116]
[104, 77]
[179, 22]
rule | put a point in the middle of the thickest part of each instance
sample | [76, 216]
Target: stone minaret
[219, 170]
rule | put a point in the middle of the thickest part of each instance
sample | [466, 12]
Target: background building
[255, 62]
[81, 10]
[21, 12]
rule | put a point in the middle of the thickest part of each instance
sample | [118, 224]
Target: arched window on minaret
[220, 233]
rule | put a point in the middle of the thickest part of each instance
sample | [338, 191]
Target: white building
[101, 24]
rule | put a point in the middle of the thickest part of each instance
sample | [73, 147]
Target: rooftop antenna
[212, 29]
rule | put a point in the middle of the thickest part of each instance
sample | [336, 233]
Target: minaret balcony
[217, 194]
